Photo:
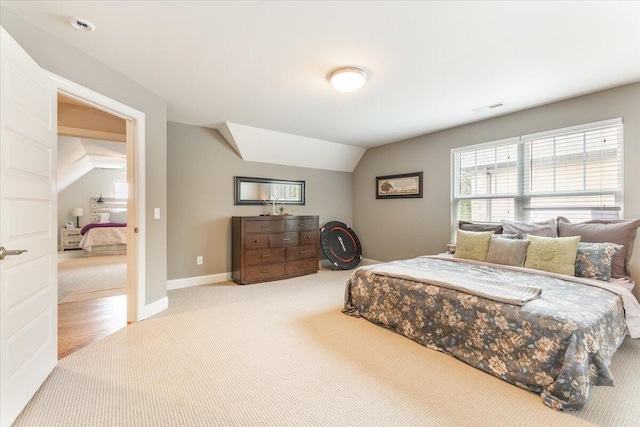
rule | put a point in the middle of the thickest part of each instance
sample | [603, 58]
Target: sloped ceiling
[79, 156]
[266, 146]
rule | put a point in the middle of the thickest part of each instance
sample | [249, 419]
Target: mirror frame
[241, 179]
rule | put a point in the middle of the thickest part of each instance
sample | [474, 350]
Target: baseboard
[187, 282]
[368, 261]
[156, 307]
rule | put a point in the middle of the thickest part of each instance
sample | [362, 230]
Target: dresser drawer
[301, 266]
[256, 241]
[264, 256]
[301, 252]
[309, 237]
[263, 272]
[264, 226]
[302, 225]
[282, 240]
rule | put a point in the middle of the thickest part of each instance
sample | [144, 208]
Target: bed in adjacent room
[107, 233]
[550, 333]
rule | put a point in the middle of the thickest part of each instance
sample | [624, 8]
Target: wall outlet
[199, 260]
[156, 213]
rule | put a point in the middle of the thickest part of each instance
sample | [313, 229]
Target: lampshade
[348, 79]
[77, 212]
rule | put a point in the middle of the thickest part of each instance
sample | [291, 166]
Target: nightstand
[70, 238]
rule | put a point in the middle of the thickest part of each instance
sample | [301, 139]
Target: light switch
[156, 213]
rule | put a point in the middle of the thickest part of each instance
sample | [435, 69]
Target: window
[121, 190]
[574, 172]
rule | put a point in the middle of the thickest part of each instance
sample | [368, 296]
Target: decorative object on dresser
[70, 238]
[266, 248]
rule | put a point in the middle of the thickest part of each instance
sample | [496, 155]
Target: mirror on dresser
[257, 191]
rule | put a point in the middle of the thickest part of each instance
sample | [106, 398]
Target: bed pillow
[104, 217]
[479, 226]
[507, 251]
[593, 260]
[547, 228]
[119, 216]
[554, 254]
[472, 244]
[620, 232]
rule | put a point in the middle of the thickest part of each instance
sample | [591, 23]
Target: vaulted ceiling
[430, 64]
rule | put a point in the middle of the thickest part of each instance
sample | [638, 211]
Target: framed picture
[69, 224]
[406, 185]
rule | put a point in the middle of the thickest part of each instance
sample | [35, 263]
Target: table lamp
[77, 212]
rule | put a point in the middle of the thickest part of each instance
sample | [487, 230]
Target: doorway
[135, 183]
[92, 207]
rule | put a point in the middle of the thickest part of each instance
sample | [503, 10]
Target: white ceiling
[79, 156]
[264, 64]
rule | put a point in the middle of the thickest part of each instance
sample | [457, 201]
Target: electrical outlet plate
[199, 260]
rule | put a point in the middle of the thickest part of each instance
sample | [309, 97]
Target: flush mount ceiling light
[348, 79]
[81, 24]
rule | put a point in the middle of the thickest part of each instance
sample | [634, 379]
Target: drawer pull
[256, 241]
[264, 271]
[265, 256]
[308, 237]
[285, 239]
[302, 252]
[302, 265]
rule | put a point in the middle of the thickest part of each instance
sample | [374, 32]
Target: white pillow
[119, 216]
[104, 217]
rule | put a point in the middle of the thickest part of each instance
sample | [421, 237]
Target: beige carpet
[81, 278]
[282, 354]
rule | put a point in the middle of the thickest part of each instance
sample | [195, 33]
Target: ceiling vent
[489, 107]
[81, 24]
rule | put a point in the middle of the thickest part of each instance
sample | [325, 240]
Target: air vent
[81, 24]
[488, 107]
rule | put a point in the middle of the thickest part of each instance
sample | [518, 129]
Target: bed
[107, 232]
[556, 343]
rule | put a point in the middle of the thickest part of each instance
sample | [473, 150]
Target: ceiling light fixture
[348, 79]
[81, 24]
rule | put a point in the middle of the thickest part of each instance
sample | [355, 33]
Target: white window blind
[573, 172]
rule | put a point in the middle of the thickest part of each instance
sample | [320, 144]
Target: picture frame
[69, 224]
[401, 186]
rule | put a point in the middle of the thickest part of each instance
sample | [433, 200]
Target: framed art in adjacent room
[406, 185]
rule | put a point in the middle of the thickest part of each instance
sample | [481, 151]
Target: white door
[28, 282]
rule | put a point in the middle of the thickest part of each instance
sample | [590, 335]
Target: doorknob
[4, 252]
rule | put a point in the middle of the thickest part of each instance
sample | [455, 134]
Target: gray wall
[201, 167]
[54, 55]
[77, 195]
[392, 229]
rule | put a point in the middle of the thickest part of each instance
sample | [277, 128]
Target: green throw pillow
[554, 254]
[472, 244]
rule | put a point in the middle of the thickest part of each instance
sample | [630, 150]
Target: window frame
[522, 197]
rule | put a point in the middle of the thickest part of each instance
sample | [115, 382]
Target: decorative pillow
[557, 255]
[547, 228]
[620, 232]
[104, 217]
[479, 226]
[119, 216]
[507, 251]
[472, 244]
[594, 260]
[510, 236]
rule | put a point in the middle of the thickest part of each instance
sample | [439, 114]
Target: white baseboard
[187, 282]
[368, 261]
[156, 307]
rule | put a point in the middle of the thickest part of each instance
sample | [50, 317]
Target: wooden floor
[83, 322]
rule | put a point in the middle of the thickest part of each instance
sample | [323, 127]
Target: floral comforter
[556, 345]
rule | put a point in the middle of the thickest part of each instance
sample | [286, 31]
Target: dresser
[265, 248]
[70, 238]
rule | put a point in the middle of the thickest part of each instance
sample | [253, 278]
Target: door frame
[136, 206]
